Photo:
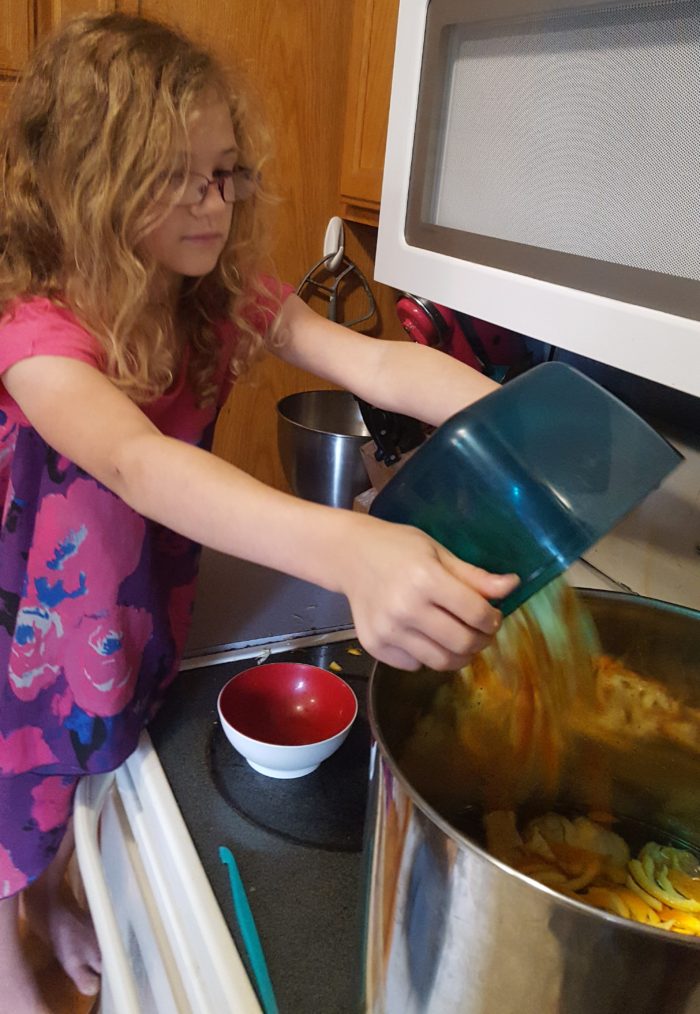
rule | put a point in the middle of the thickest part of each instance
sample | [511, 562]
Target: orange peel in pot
[656, 888]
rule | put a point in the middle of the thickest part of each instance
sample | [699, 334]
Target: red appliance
[493, 350]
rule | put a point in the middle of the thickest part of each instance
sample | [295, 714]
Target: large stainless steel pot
[450, 930]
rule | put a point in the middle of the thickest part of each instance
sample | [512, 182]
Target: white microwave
[542, 172]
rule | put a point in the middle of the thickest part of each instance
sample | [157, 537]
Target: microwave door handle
[90, 798]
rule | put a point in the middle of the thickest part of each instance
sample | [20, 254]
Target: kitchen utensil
[325, 278]
[529, 477]
[286, 717]
[392, 432]
[249, 932]
[449, 928]
[319, 436]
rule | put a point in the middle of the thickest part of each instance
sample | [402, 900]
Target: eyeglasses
[191, 189]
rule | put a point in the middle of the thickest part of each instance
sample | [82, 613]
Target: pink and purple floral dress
[95, 602]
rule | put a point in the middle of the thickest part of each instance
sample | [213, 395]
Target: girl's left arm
[399, 376]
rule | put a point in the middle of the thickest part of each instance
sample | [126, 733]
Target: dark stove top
[298, 843]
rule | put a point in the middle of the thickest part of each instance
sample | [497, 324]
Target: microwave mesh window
[577, 132]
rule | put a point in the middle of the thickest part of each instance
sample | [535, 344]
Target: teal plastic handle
[249, 933]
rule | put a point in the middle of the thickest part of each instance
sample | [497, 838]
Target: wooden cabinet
[22, 22]
[16, 35]
[52, 12]
[5, 89]
[367, 110]
[17, 31]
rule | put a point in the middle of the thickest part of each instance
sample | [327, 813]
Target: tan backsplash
[655, 550]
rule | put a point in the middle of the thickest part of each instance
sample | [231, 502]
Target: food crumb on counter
[336, 667]
[354, 651]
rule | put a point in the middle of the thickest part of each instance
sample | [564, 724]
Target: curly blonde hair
[96, 123]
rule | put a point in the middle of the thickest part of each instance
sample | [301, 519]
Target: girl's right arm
[412, 601]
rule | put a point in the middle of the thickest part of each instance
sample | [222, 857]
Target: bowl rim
[288, 746]
[347, 396]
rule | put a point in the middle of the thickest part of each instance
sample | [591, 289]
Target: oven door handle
[90, 798]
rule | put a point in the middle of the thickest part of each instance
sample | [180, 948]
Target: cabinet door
[5, 89]
[16, 33]
[367, 110]
[17, 27]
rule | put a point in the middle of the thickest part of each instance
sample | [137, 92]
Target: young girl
[131, 297]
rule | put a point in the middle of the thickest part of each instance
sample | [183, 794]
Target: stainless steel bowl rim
[314, 429]
[461, 839]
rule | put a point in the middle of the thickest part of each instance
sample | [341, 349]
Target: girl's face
[189, 240]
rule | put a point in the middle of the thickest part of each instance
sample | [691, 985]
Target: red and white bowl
[285, 718]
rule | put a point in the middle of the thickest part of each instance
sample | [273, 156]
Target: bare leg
[55, 917]
[19, 993]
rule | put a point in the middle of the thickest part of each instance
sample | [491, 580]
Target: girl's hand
[413, 602]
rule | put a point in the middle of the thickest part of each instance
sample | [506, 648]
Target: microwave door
[541, 173]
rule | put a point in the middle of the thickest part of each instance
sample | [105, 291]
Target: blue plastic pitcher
[529, 477]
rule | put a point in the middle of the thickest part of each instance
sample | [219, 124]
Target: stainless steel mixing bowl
[319, 436]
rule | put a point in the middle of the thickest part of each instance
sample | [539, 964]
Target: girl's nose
[211, 203]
